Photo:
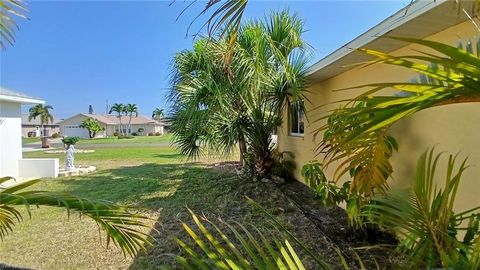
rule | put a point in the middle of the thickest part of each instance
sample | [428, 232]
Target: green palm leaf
[122, 227]
[246, 250]
[424, 217]
[354, 129]
[9, 9]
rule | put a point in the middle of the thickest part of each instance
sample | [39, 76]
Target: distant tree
[130, 110]
[92, 126]
[42, 112]
[90, 109]
[157, 114]
[119, 108]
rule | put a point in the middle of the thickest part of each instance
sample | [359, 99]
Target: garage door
[75, 131]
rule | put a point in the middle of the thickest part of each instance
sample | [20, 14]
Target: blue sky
[77, 53]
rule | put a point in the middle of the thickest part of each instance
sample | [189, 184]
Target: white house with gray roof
[12, 162]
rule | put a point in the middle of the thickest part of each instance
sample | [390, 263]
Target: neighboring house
[111, 123]
[33, 128]
[11, 161]
[451, 128]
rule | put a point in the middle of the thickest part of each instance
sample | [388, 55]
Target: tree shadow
[175, 156]
[151, 186]
[166, 190]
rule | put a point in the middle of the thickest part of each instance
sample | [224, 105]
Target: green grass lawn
[157, 179]
[134, 140]
[26, 140]
[160, 182]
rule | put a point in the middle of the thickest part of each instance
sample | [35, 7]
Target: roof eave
[22, 100]
[414, 10]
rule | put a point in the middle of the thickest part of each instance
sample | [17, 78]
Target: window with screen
[297, 123]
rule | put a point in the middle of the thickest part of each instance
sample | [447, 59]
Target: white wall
[10, 138]
[38, 167]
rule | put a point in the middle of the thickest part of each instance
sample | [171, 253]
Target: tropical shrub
[330, 194]
[92, 125]
[218, 108]
[312, 174]
[70, 140]
[357, 135]
[358, 131]
[424, 218]
[134, 134]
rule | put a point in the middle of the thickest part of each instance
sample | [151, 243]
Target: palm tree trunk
[121, 129]
[263, 163]
[242, 145]
[129, 125]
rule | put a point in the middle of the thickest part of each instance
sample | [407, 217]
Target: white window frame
[290, 122]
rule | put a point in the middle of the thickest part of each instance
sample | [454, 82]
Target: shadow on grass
[175, 156]
[152, 186]
[164, 188]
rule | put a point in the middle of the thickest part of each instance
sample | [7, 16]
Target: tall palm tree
[119, 108]
[218, 108]
[131, 109]
[157, 114]
[43, 112]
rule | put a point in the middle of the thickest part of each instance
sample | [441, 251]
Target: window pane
[293, 119]
[301, 122]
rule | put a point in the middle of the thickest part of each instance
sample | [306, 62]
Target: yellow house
[453, 128]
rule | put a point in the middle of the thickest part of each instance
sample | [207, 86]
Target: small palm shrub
[425, 220]
[70, 140]
[330, 194]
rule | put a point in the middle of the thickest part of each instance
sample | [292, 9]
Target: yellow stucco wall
[451, 128]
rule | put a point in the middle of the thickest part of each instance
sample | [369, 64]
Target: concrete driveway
[37, 146]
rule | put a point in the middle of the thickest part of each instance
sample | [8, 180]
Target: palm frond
[451, 77]
[122, 227]
[236, 248]
[9, 9]
[365, 159]
[425, 219]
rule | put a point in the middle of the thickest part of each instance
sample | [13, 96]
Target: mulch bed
[322, 230]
